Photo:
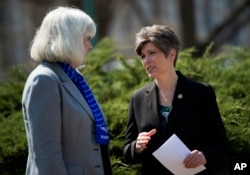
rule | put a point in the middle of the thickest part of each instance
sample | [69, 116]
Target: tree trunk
[187, 18]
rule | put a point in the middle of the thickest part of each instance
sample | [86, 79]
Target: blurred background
[196, 22]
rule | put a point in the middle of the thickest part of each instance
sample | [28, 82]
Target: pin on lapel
[180, 96]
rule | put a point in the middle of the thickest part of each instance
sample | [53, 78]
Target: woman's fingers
[143, 139]
[194, 159]
[152, 132]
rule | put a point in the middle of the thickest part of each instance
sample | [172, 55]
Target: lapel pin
[180, 96]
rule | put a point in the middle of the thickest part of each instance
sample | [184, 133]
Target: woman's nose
[147, 58]
[90, 46]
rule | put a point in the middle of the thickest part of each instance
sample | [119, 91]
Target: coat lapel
[151, 96]
[179, 96]
[70, 87]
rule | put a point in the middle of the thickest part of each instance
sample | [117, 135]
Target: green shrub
[228, 73]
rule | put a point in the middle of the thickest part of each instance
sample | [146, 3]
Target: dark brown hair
[161, 36]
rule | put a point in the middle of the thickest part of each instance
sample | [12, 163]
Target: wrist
[138, 148]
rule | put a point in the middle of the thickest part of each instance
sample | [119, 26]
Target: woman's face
[155, 62]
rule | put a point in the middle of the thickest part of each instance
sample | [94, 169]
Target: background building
[197, 22]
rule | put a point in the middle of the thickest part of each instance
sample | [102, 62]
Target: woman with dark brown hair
[171, 104]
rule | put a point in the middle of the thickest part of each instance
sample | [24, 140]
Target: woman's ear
[172, 54]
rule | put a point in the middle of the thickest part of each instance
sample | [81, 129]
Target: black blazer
[195, 119]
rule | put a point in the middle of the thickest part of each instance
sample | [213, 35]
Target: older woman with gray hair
[65, 126]
[171, 104]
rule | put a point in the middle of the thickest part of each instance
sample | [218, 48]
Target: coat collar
[69, 86]
[180, 93]
[151, 95]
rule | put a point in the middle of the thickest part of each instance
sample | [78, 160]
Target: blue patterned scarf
[102, 136]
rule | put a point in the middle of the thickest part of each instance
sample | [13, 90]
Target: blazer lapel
[151, 96]
[70, 87]
[179, 96]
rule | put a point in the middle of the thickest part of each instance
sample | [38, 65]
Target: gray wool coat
[59, 126]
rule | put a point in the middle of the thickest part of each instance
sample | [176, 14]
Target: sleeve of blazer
[42, 106]
[131, 136]
[217, 142]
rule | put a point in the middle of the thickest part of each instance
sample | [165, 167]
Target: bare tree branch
[139, 12]
[227, 25]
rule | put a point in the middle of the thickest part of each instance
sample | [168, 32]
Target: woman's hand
[142, 140]
[195, 159]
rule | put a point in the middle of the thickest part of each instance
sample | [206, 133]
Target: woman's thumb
[152, 132]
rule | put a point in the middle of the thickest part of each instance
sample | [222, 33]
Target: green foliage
[121, 78]
[228, 73]
[13, 143]
[10, 92]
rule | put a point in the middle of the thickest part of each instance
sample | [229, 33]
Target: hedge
[228, 72]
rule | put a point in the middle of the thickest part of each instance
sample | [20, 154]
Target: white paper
[172, 154]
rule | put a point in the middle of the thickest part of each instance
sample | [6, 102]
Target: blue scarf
[102, 136]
